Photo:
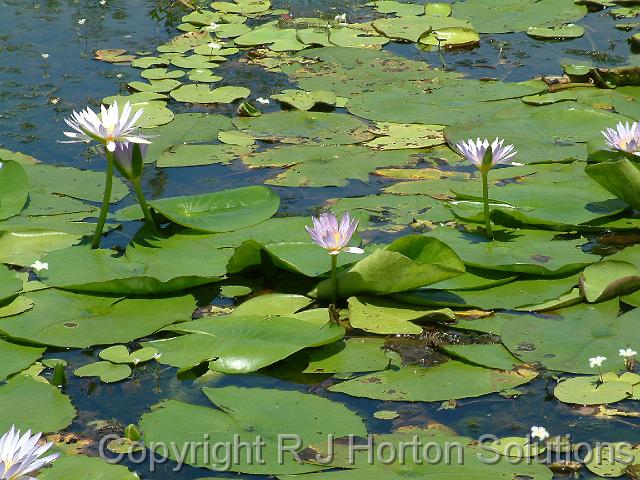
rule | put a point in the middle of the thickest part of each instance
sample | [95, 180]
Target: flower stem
[334, 279]
[106, 199]
[143, 203]
[485, 198]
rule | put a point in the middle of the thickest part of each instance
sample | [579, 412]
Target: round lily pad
[33, 405]
[220, 211]
[107, 372]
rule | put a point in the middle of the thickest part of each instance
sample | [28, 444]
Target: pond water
[38, 93]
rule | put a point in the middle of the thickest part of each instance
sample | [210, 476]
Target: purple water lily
[474, 151]
[625, 137]
[123, 157]
[333, 236]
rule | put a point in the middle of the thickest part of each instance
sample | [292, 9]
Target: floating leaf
[415, 260]
[66, 319]
[269, 412]
[120, 354]
[622, 178]
[34, 405]
[351, 355]
[193, 155]
[220, 211]
[570, 30]
[106, 371]
[241, 343]
[195, 93]
[451, 380]
[591, 391]
[301, 100]
[14, 188]
[385, 317]
[14, 358]
[491, 355]
[79, 466]
[566, 339]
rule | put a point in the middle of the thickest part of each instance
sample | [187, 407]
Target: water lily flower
[54, 100]
[334, 237]
[20, 455]
[214, 45]
[596, 361]
[485, 155]
[103, 2]
[539, 433]
[82, 21]
[45, 56]
[213, 27]
[39, 266]
[136, 361]
[112, 126]
[625, 138]
[263, 101]
[156, 356]
[627, 352]
[476, 151]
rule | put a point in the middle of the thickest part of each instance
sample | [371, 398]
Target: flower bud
[129, 159]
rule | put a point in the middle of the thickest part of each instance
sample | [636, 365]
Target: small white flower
[103, 2]
[45, 56]
[54, 100]
[214, 46]
[156, 356]
[20, 455]
[81, 21]
[38, 266]
[539, 433]
[213, 27]
[627, 353]
[118, 75]
[136, 361]
[263, 101]
[596, 361]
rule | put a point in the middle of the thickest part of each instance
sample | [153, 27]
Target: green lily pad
[351, 355]
[159, 86]
[305, 127]
[33, 405]
[301, 100]
[14, 188]
[519, 294]
[386, 317]
[451, 37]
[195, 93]
[570, 30]
[252, 412]
[416, 260]
[193, 155]
[277, 39]
[151, 266]
[412, 28]
[491, 355]
[285, 304]
[187, 128]
[66, 319]
[79, 466]
[14, 358]
[106, 371]
[243, 7]
[609, 279]
[184, 43]
[590, 391]
[220, 211]
[516, 447]
[306, 257]
[397, 136]
[10, 284]
[622, 178]
[386, 415]
[203, 75]
[120, 354]
[325, 165]
[450, 380]
[502, 16]
[399, 8]
[241, 343]
[81, 184]
[161, 74]
[234, 291]
[613, 459]
[520, 251]
[236, 138]
[566, 339]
